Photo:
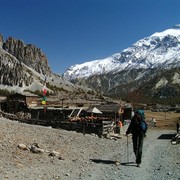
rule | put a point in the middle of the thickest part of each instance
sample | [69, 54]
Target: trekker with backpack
[137, 128]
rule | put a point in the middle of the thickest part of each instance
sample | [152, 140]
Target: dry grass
[165, 120]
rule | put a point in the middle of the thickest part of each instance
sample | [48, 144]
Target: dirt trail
[83, 157]
[161, 160]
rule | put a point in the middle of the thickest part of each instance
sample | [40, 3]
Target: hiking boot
[138, 165]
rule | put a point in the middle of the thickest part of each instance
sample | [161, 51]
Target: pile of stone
[176, 139]
[35, 148]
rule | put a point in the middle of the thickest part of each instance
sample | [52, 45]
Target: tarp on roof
[94, 110]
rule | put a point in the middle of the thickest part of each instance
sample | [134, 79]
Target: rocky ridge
[24, 67]
[28, 54]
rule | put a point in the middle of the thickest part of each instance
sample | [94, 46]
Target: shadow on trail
[128, 164]
[104, 161]
[113, 162]
[166, 136]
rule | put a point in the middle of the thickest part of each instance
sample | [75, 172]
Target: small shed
[115, 111]
[21, 102]
[109, 110]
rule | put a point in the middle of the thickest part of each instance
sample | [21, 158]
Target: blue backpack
[143, 126]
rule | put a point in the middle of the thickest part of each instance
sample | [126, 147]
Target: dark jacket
[135, 126]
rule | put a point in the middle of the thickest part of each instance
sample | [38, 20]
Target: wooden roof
[27, 94]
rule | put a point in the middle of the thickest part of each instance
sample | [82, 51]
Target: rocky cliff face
[28, 54]
[1, 40]
[12, 72]
[24, 67]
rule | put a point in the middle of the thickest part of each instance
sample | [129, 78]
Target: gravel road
[68, 155]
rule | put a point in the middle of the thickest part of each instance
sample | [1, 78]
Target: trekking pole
[137, 150]
[127, 150]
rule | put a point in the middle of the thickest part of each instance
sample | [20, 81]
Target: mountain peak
[29, 54]
[177, 26]
[159, 49]
[174, 31]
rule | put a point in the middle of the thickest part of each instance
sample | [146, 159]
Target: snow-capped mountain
[158, 50]
[150, 66]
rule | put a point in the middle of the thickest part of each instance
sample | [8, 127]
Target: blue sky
[75, 31]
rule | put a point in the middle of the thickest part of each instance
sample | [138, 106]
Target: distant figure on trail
[120, 126]
[177, 127]
[153, 122]
[138, 128]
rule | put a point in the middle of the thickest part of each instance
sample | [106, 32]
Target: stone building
[20, 102]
